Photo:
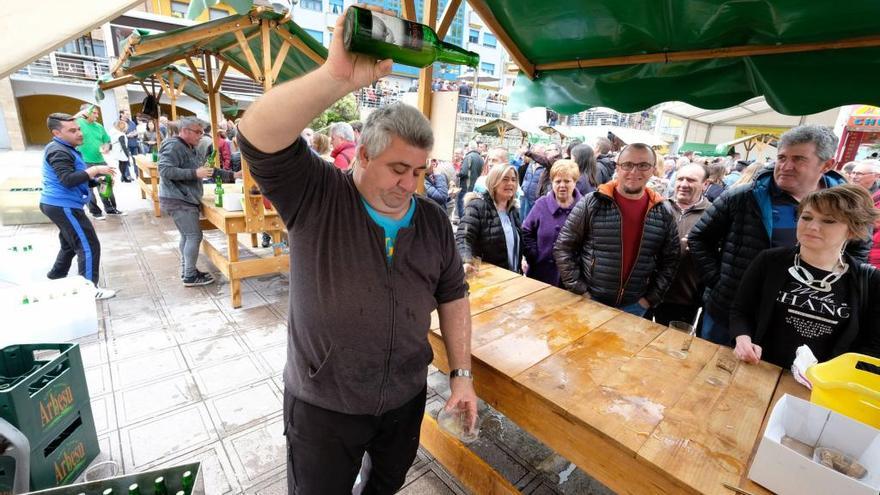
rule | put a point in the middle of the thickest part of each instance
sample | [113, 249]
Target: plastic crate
[145, 480]
[7, 474]
[850, 385]
[41, 397]
[61, 459]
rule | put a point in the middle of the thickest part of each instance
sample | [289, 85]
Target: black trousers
[78, 238]
[325, 448]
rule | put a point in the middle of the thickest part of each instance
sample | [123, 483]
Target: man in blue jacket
[760, 215]
[66, 182]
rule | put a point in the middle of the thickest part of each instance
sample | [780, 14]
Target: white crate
[56, 311]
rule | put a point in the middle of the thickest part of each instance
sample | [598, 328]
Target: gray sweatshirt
[358, 327]
[178, 162]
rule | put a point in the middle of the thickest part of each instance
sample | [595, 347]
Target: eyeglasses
[859, 174]
[196, 131]
[629, 166]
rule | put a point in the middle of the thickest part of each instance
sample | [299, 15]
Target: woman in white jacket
[119, 150]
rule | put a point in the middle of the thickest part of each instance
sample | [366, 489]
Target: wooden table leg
[234, 282]
[276, 241]
[254, 240]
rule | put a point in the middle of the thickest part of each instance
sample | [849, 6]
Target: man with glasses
[866, 174]
[761, 215]
[620, 245]
[182, 169]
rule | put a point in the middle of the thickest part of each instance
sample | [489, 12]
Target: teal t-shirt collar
[391, 226]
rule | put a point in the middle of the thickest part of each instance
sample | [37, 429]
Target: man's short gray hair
[398, 119]
[821, 136]
[186, 122]
[343, 130]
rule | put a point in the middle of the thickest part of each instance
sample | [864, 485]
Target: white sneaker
[102, 294]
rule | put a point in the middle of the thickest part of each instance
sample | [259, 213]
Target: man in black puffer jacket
[762, 214]
[604, 161]
[620, 244]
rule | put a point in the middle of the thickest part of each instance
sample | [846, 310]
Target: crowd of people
[672, 237]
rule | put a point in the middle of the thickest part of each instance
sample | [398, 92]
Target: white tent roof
[29, 31]
[625, 134]
[751, 112]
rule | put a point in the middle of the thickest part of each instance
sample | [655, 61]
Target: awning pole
[212, 101]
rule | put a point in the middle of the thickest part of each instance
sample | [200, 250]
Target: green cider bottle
[159, 487]
[134, 489]
[218, 192]
[410, 43]
[187, 481]
[106, 186]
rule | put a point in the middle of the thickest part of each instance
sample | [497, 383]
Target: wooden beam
[235, 44]
[300, 45]
[144, 86]
[279, 60]
[466, 466]
[713, 53]
[429, 18]
[221, 75]
[189, 36]
[164, 85]
[249, 55]
[267, 55]
[409, 10]
[180, 86]
[212, 105]
[515, 53]
[153, 64]
[235, 65]
[114, 83]
[447, 18]
[196, 75]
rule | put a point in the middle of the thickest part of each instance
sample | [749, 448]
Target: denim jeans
[634, 309]
[715, 330]
[187, 221]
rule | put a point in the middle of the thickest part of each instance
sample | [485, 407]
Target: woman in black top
[812, 294]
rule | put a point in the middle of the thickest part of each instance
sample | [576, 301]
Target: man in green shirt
[95, 142]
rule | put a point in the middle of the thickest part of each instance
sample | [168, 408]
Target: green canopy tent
[175, 81]
[804, 57]
[501, 128]
[262, 44]
[704, 149]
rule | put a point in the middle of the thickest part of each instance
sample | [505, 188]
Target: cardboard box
[786, 472]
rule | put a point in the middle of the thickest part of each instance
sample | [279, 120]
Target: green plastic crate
[42, 387]
[62, 459]
[145, 480]
[7, 475]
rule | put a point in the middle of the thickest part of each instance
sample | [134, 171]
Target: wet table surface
[614, 393]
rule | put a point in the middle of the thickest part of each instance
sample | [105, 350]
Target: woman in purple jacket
[545, 220]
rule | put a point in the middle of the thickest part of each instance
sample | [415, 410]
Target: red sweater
[343, 155]
[632, 221]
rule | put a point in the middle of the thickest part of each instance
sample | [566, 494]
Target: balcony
[480, 105]
[59, 66]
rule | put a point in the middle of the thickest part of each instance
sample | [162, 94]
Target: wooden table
[233, 223]
[147, 177]
[610, 392]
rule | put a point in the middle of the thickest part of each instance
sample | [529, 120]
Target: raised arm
[275, 120]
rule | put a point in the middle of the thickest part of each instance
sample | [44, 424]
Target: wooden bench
[609, 391]
[147, 177]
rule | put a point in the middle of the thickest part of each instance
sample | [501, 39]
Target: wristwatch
[458, 372]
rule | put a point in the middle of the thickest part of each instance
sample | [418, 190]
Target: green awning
[144, 53]
[705, 149]
[574, 33]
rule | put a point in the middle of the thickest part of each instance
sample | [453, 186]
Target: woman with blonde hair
[490, 226]
[812, 294]
[546, 218]
[321, 145]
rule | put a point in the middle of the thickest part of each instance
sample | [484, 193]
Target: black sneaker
[199, 273]
[116, 212]
[267, 240]
[198, 280]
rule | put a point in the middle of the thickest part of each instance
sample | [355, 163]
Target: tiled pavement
[176, 374]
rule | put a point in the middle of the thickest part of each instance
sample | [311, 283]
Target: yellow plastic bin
[850, 385]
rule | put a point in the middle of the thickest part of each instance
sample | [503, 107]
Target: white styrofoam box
[233, 202]
[57, 311]
[786, 472]
[19, 266]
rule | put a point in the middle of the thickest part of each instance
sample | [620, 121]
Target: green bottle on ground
[186, 482]
[134, 489]
[159, 487]
[410, 43]
[218, 192]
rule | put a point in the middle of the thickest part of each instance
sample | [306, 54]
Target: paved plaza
[176, 374]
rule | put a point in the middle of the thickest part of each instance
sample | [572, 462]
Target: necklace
[804, 276]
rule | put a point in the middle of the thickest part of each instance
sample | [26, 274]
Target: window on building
[487, 67]
[217, 14]
[318, 35]
[474, 36]
[178, 9]
[336, 6]
[489, 40]
[312, 5]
